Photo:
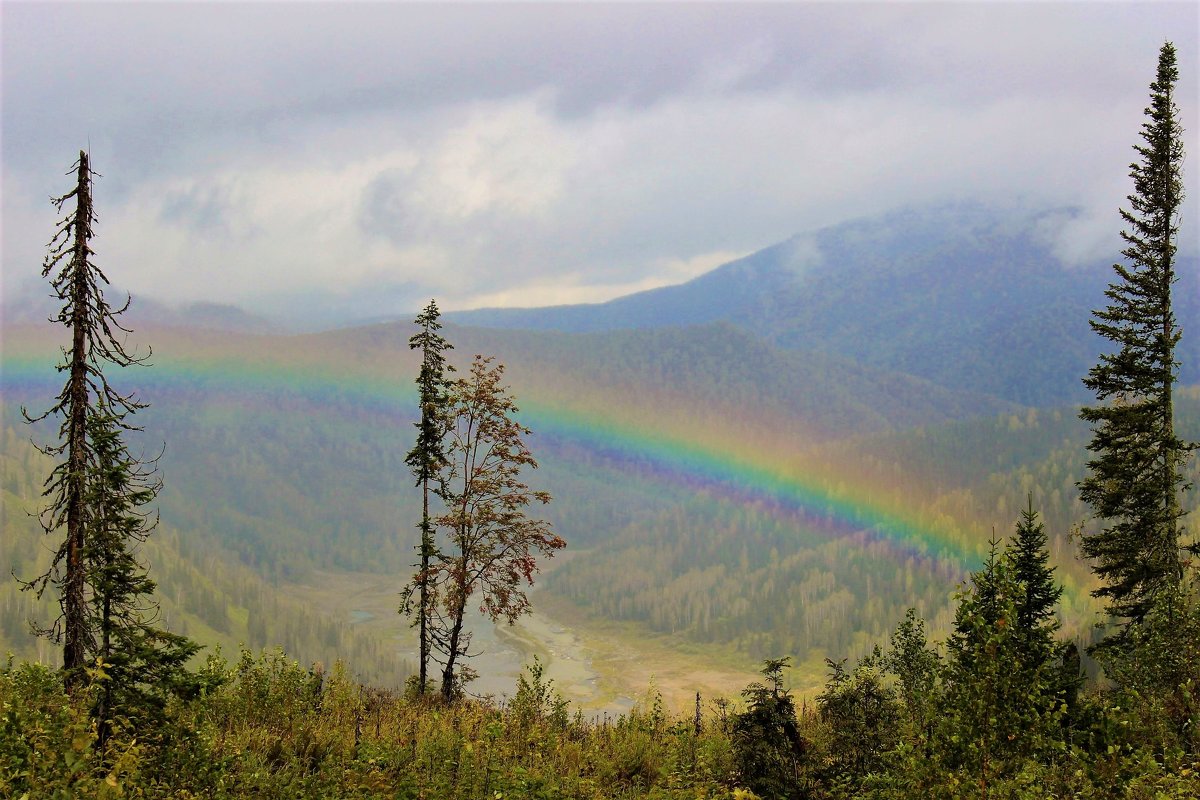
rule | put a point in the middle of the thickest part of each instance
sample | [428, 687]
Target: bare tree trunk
[452, 648]
[104, 709]
[464, 552]
[424, 612]
[74, 600]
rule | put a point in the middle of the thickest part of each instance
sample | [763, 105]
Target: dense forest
[1046, 556]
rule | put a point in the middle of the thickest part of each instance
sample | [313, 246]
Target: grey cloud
[382, 211]
[155, 77]
[666, 131]
[314, 310]
[204, 209]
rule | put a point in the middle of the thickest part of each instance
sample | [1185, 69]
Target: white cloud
[574, 288]
[507, 203]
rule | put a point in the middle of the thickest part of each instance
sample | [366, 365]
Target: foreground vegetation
[891, 727]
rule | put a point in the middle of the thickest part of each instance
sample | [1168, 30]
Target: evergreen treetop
[1135, 474]
[428, 453]
[1038, 594]
[427, 459]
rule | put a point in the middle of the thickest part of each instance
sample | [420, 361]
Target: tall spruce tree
[427, 460]
[98, 492]
[998, 711]
[139, 665]
[96, 343]
[1135, 475]
[1038, 595]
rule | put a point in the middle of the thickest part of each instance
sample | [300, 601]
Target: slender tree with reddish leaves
[494, 545]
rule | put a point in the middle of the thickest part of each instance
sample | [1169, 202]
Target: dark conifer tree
[768, 749]
[1135, 474]
[995, 713]
[427, 460]
[863, 715]
[980, 607]
[96, 343]
[138, 665]
[1038, 595]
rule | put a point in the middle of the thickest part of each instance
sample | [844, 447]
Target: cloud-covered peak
[527, 154]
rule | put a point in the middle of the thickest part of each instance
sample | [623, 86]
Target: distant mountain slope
[716, 574]
[736, 291]
[206, 316]
[714, 485]
[715, 372]
[289, 449]
[965, 297]
[202, 592]
[35, 309]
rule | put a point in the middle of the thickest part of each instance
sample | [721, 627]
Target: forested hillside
[717, 488]
[206, 592]
[303, 437]
[762, 578]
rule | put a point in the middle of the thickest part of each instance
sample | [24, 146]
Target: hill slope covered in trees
[761, 499]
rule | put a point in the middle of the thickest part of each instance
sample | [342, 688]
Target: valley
[600, 667]
[725, 499]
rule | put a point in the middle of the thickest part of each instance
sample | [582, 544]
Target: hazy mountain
[966, 297]
[205, 316]
[733, 292]
[716, 370]
[36, 308]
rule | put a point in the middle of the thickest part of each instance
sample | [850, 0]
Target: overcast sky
[378, 154]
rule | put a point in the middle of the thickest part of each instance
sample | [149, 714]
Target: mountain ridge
[966, 297]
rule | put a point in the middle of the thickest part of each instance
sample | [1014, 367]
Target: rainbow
[26, 366]
[738, 477]
[821, 501]
[312, 373]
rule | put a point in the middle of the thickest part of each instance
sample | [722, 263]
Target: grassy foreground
[265, 727]
[269, 728]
